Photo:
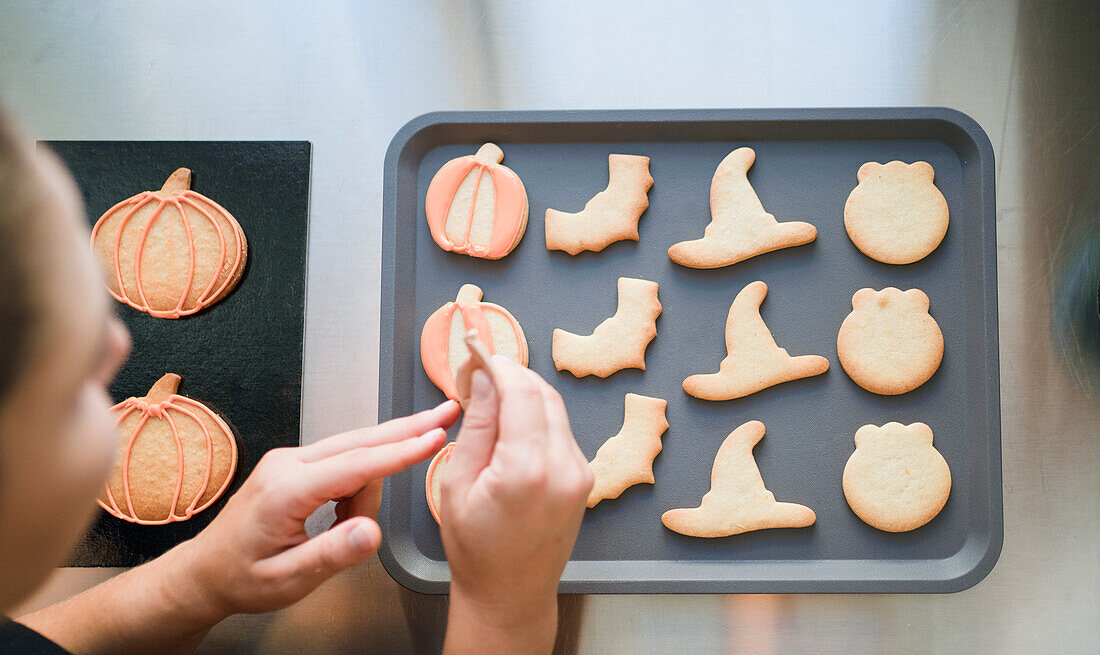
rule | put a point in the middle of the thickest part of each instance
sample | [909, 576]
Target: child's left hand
[256, 556]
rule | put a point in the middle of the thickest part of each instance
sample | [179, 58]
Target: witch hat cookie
[737, 501]
[739, 227]
[754, 361]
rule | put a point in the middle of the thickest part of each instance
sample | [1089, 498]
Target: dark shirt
[17, 638]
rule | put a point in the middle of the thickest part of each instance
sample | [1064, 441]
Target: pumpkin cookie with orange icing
[176, 457]
[170, 253]
[611, 215]
[476, 206]
[442, 350]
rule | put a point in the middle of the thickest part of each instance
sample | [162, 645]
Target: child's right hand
[513, 497]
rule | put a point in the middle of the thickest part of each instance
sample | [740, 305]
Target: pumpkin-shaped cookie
[895, 480]
[889, 344]
[442, 349]
[896, 215]
[476, 206]
[433, 481]
[176, 457]
[170, 253]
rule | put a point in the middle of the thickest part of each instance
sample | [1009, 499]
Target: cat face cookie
[895, 480]
[889, 344]
[611, 215]
[896, 215]
[176, 457]
[476, 206]
[170, 253]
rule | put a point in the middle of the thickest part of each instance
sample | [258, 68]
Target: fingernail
[360, 539]
[445, 404]
[433, 434]
[482, 387]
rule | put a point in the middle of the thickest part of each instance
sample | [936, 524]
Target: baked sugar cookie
[617, 343]
[170, 253]
[433, 481]
[889, 344]
[176, 457]
[895, 480]
[739, 227]
[753, 360]
[896, 215]
[476, 206]
[737, 501]
[611, 215]
[442, 348]
[626, 459]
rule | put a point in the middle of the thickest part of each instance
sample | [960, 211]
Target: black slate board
[805, 168]
[243, 356]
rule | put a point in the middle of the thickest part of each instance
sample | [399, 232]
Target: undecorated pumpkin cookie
[896, 215]
[476, 206]
[176, 457]
[442, 350]
[170, 253]
[611, 215]
[626, 459]
[889, 344]
[753, 360]
[739, 227]
[433, 481]
[617, 343]
[737, 501]
[895, 480]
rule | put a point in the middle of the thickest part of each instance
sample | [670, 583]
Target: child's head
[59, 347]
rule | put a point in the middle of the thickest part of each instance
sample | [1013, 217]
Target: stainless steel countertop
[347, 75]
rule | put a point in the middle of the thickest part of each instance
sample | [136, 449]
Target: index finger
[443, 415]
[522, 411]
[344, 475]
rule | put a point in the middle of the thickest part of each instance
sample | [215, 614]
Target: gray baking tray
[806, 163]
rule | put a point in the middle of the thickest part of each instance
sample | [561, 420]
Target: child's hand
[256, 557]
[512, 500]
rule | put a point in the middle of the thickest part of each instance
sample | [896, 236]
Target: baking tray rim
[975, 569]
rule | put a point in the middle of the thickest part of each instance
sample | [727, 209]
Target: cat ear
[863, 298]
[868, 169]
[924, 169]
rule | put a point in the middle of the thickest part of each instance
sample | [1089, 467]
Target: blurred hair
[21, 194]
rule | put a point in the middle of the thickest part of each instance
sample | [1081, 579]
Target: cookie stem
[469, 293]
[490, 153]
[178, 181]
[165, 387]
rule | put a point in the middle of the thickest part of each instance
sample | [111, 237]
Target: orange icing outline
[444, 455]
[435, 354]
[171, 194]
[510, 199]
[165, 388]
